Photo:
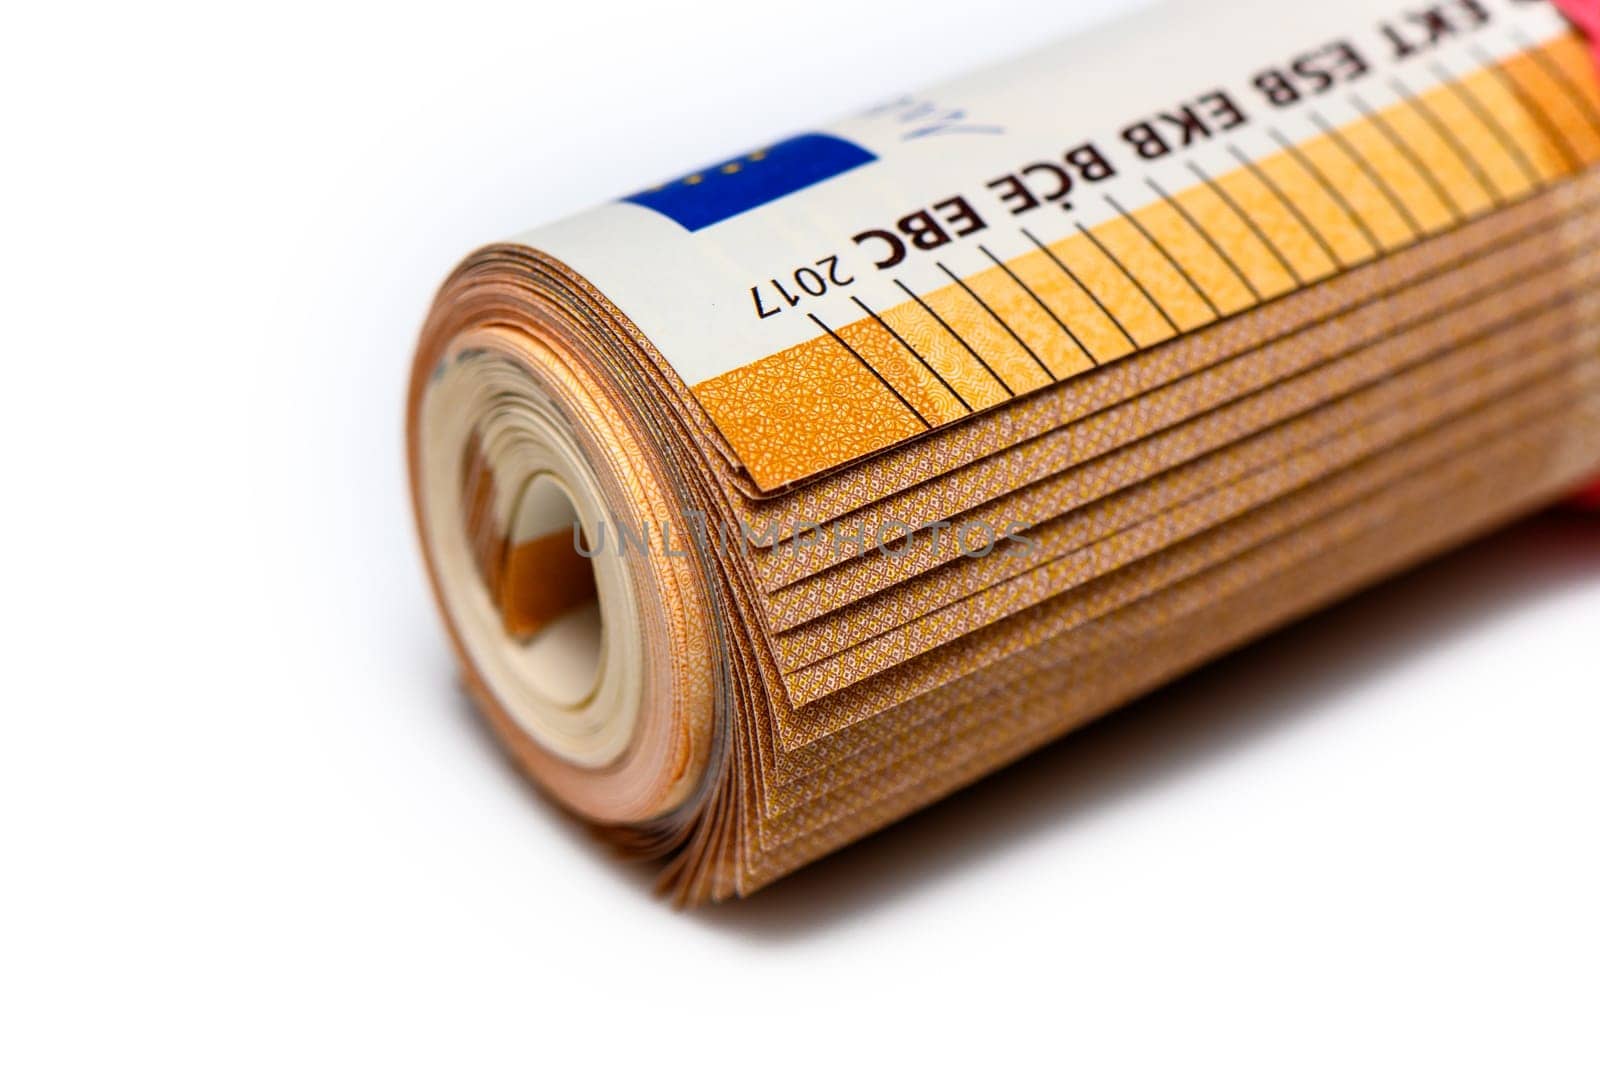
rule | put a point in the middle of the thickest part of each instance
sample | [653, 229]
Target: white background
[246, 817]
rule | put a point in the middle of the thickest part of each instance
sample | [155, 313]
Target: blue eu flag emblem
[733, 187]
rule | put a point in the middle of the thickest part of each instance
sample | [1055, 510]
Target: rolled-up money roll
[772, 503]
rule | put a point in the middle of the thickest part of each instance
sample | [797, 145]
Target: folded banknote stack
[774, 503]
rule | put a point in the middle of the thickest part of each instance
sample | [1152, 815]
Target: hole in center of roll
[548, 599]
[541, 583]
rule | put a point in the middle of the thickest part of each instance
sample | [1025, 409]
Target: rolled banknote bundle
[775, 502]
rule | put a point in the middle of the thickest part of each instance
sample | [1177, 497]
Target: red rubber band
[1585, 14]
